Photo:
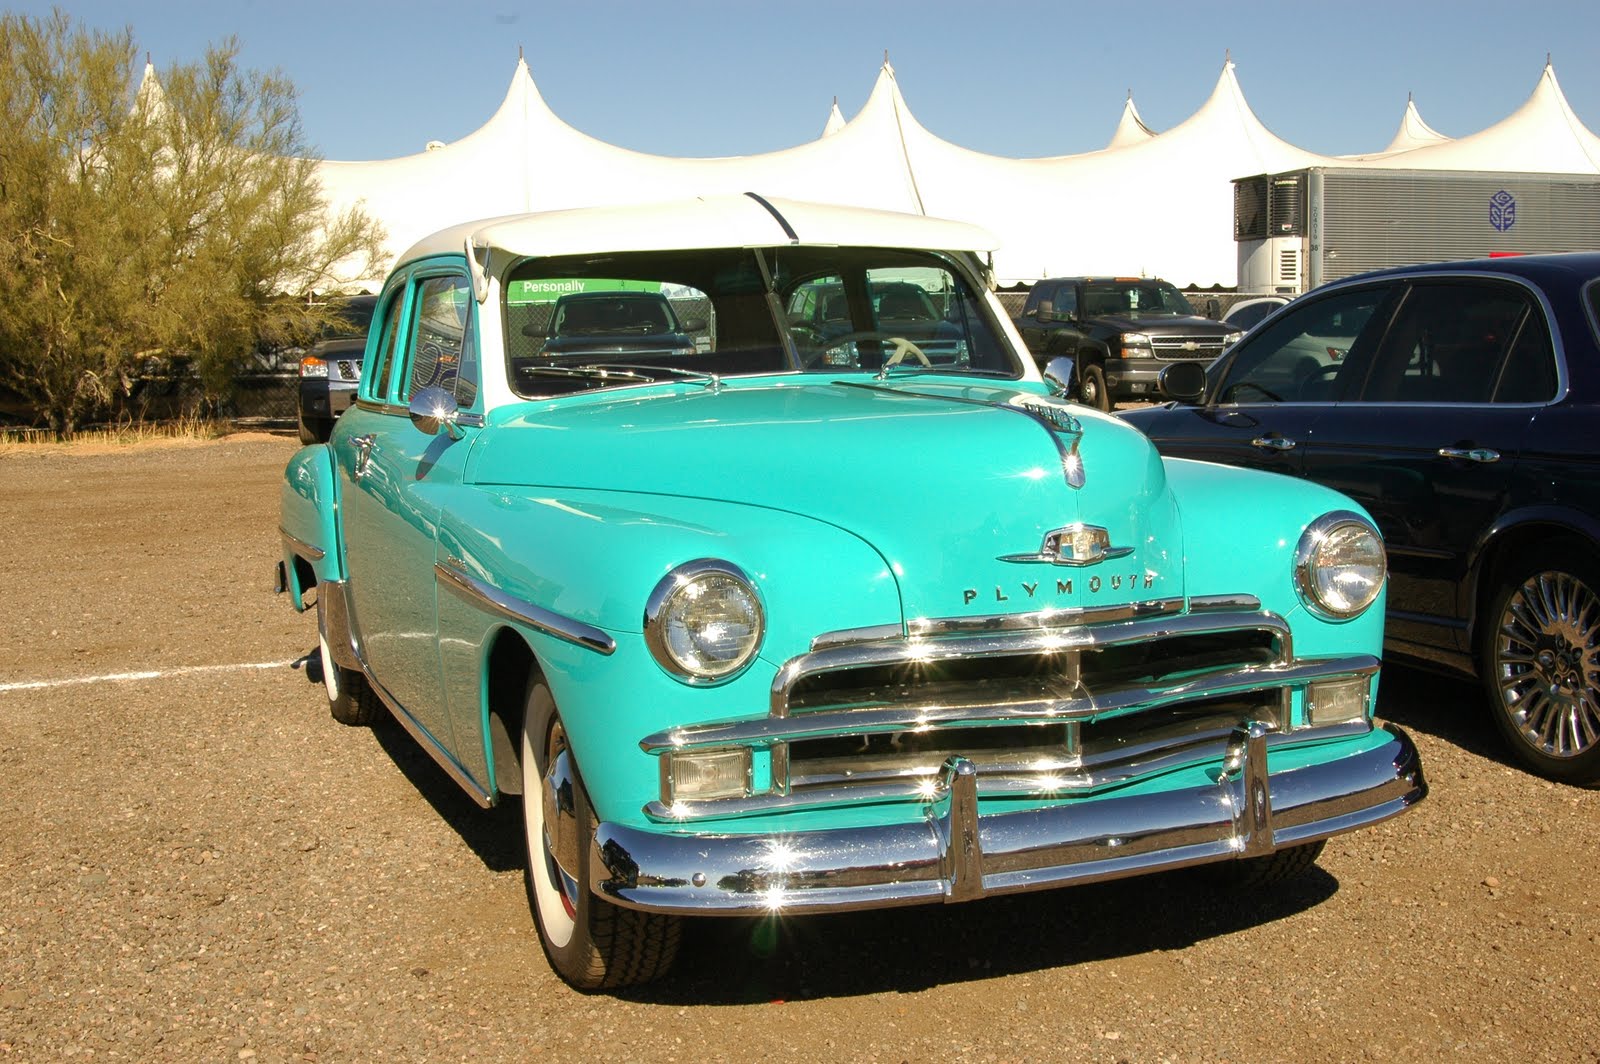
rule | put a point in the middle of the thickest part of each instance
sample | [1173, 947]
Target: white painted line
[154, 674]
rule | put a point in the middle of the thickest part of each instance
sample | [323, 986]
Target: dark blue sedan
[1458, 402]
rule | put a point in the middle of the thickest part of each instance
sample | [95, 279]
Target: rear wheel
[591, 943]
[351, 700]
[1539, 661]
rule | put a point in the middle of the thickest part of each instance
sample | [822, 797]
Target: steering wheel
[902, 347]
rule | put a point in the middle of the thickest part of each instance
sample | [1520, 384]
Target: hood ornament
[1059, 419]
[1076, 545]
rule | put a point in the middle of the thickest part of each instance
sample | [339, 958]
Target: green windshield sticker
[548, 291]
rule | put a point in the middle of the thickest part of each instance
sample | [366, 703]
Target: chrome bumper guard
[955, 854]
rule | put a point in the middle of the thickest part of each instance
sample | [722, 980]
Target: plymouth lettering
[1116, 582]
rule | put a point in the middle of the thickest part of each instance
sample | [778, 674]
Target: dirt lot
[200, 865]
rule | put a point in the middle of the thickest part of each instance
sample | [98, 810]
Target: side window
[1448, 343]
[1304, 355]
[1529, 375]
[442, 335]
[1066, 301]
[388, 344]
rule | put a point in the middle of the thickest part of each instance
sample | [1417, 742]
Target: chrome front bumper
[956, 855]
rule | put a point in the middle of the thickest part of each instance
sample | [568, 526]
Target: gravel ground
[201, 866]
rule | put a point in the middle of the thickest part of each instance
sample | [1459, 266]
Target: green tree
[180, 218]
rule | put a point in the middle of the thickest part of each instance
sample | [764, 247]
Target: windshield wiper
[711, 380]
[912, 370]
[588, 373]
[622, 373]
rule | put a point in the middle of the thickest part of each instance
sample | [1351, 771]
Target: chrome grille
[1042, 706]
[349, 369]
[1186, 347]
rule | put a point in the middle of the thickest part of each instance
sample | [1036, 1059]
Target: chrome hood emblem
[1076, 545]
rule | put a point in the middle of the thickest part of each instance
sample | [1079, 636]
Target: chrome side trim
[1073, 634]
[492, 600]
[955, 852]
[425, 740]
[309, 551]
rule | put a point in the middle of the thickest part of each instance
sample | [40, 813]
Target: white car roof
[707, 222]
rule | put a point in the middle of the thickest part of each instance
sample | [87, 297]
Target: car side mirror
[692, 325]
[1183, 382]
[1045, 312]
[433, 409]
[1059, 372]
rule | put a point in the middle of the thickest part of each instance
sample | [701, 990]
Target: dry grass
[113, 437]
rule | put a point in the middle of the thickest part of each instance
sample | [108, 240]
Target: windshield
[1133, 299]
[582, 322]
[353, 318]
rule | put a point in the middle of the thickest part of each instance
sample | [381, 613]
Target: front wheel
[591, 943]
[1539, 661]
[1252, 873]
[1092, 387]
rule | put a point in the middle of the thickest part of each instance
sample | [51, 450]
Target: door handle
[1273, 443]
[1471, 454]
[364, 446]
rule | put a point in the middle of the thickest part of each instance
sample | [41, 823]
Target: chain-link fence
[268, 398]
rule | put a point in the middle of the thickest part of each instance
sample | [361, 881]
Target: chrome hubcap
[559, 795]
[1547, 664]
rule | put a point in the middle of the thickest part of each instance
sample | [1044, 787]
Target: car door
[1268, 396]
[1430, 441]
[393, 479]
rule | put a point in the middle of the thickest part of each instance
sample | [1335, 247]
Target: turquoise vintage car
[790, 623]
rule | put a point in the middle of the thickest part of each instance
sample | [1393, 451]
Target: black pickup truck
[1120, 332]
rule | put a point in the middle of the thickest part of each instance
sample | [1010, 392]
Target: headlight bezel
[1317, 534]
[665, 604]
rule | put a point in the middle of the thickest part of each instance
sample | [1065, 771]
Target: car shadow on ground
[743, 961]
[494, 835]
[737, 961]
[1444, 705]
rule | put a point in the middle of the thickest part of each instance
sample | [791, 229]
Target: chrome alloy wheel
[1547, 664]
[551, 823]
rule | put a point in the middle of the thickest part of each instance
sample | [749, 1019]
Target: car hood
[954, 486]
[617, 342]
[353, 347]
[1192, 325]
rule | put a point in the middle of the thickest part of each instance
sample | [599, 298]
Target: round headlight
[704, 621]
[1339, 565]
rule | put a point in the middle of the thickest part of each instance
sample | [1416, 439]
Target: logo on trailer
[1502, 210]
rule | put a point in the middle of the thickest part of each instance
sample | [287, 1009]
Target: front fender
[308, 522]
[1240, 531]
[593, 557]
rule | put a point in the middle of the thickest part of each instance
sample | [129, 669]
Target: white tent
[1149, 203]
[1414, 132]
[1131, 129]
[1543, 136]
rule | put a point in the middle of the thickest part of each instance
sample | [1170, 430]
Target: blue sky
[720, 77]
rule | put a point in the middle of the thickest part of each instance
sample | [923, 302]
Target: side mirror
[1045, 312]
[1183, 382]
[692, 325]
[433, 409]
[1060, 372]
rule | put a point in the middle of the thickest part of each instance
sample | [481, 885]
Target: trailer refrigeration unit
[1302, 228]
